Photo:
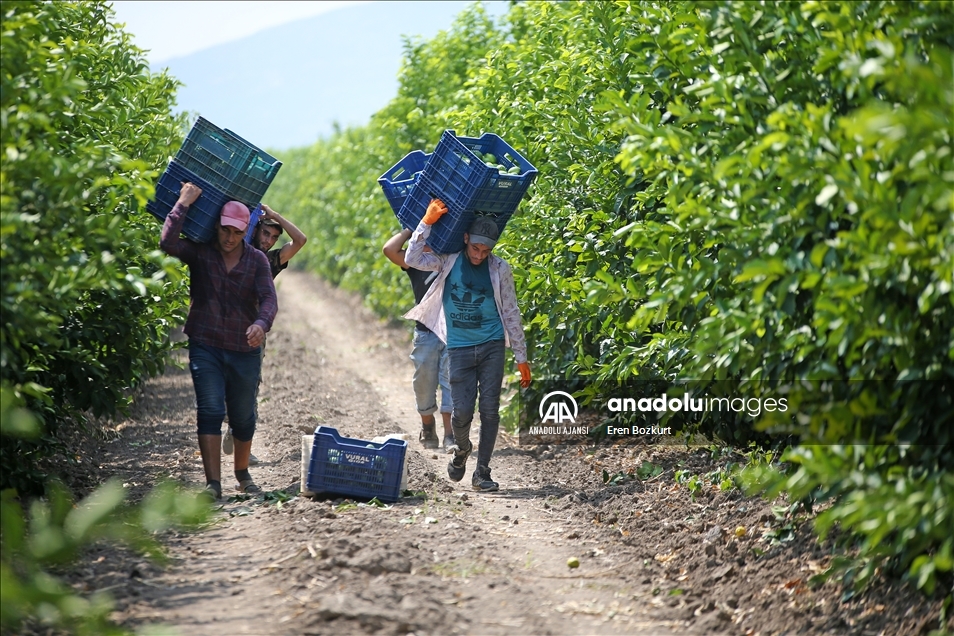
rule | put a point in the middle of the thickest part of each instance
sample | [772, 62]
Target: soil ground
[655, 558]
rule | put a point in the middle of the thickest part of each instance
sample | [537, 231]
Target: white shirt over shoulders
[430, 311]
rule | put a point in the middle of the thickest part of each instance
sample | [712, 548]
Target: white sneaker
[252, 460]
[227, 445]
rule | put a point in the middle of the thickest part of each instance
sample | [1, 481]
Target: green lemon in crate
[380, 465]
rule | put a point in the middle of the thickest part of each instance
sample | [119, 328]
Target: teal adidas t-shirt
[469, 306]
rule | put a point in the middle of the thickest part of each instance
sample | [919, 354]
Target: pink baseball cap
[235, 214]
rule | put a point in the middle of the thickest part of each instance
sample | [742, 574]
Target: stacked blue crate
[233, 165]
[252, 181]
[398, 182]
[200, 221]
[457, 174]
[223, 164]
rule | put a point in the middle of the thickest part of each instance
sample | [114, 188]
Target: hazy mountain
[286, 86]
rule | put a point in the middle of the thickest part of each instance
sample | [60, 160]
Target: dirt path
[455, 562]
[653, 559]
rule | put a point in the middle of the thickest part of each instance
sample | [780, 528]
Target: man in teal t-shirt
[469, 304]
[472, 306]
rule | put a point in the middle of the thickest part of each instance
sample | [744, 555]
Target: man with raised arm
[270, 227]
[428, 353]
[266, 234]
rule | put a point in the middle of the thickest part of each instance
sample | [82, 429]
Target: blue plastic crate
[200, 221]
[398, 182]
[460, 178]
[256, 215]
[230, 163]
[457, 168]
[447, 235]
[356, 467]
[258, 173]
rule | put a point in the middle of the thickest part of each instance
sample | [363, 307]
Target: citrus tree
[733, 193]
[87, 299]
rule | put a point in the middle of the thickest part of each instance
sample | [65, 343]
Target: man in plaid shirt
[233, 304]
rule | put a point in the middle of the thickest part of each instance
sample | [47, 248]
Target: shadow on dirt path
[654, 559]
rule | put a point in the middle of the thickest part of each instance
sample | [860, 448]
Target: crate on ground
[457, 174]
[355, 467]
[227, 161]
[200, 221]
[398, 182]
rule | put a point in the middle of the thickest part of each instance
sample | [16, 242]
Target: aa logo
[558, 407]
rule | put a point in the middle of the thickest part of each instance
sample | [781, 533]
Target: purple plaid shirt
[224, 304]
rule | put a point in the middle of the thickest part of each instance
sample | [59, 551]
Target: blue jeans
[430, 371]
[225, 382]
[477, 370]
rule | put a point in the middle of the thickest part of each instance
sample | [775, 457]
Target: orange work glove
[524, 374]
[435, 210]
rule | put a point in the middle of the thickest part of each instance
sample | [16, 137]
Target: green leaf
[759, 268]
[826, 194]
[94, 510]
